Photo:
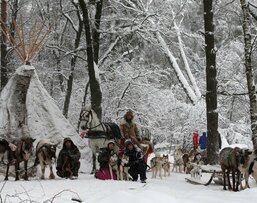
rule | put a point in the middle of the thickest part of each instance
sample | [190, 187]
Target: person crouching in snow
[136, 163]
[103, 158]
[68, 160]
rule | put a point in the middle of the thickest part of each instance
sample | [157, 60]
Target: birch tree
[249, 70]
[211, 84]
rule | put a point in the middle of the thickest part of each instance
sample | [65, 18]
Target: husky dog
[45, 154]
[198, 158]
[187, 161]
[178, 160]
[166, 164]
[156, 165]
[123, 168]
[113, 165]
[196, 172]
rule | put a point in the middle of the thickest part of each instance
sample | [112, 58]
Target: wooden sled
[200, 182]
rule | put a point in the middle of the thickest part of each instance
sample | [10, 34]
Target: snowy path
[171, 189]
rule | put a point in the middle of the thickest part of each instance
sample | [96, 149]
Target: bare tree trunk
[211, 82]
[249, 71]
[14, 16]
[83, 102]
[59, 40]
[4, 77]
[95, 90]
[73, 63]
[96, 34]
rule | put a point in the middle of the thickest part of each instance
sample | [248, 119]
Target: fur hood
[124, 121]
[66, 140]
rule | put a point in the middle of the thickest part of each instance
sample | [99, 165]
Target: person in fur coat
[129, 128]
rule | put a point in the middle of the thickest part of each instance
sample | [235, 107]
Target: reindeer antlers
[27, 49]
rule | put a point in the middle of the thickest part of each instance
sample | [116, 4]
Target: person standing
[195, 139]
[203, 141]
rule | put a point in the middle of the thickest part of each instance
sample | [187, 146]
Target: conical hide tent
[25, 101]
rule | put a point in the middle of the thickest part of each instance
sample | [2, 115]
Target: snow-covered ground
[171, 189]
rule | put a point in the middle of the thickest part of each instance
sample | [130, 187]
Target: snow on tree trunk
[211, 82]
[249, 70]
[94, 82]
[172, 60]
[189, 73]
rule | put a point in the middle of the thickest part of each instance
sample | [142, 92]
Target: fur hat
[111, 142]
[128, 142]
[129, 113]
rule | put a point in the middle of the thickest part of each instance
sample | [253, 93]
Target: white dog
[123, 168]
[113, 165]
[156, 165]
[178, 160]
[166, 164]
[196, 172]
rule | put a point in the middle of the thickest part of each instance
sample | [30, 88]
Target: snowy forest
[178, 65]
[148, 56]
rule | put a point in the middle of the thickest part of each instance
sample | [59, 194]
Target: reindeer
[248, 166]
[4, 147]
[229, 161]
[22, 153]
